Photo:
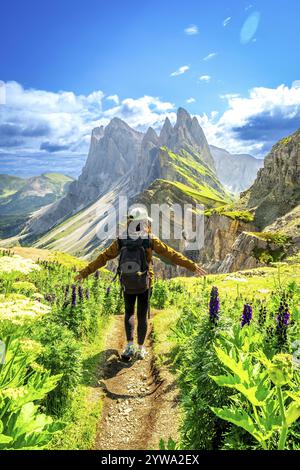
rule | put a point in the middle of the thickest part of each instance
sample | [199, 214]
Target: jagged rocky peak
[117, 124]
[183, 118]
[151, 136]
[166, 132]
[186, 134]
[98, 133]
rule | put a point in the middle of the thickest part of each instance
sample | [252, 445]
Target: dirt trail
[140, 405]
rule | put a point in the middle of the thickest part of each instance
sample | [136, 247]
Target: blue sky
[70, 65]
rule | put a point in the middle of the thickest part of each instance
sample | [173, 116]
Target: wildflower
[283, 318]
[87, 294]
[108, 291]
[17, 263]
[247, 315]
[14, 393]
[30, 346]
[97, 274]
[67, 290]
[214, 305]
[73, 295]
[262, 315]
[80, 293]
[281, 369]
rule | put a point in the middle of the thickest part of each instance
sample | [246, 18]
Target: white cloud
[205, 78]
[180, 71]
[38, 122]
[296, 84]
[210, 56]
[191, 100]
[143, 112]
[191, 30]
[253, 124]
[227, 21]
[113, 98]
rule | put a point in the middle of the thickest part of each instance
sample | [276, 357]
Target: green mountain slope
[19, 198]
[10, 185]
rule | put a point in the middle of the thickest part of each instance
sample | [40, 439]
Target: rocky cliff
[276, 189]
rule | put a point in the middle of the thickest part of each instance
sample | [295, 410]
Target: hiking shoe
[140, 353]
[128, 352]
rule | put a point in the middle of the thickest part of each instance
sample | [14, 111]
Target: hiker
[136, 273]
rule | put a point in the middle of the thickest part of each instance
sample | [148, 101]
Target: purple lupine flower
[97, 274]
[214, 305]
[108, 291]
[67, 290]
[283, 314]
[87, 294]
[80, 293]
[247, 315]
[262, 316]
[283, 318]
[73, 295]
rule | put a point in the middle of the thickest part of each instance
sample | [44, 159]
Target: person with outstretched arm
[135, 251]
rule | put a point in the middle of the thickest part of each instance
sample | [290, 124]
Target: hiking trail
[141, 402]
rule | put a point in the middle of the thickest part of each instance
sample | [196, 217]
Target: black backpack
[133, 267]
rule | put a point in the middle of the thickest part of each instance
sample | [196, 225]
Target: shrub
[160, 296]
[61, 355]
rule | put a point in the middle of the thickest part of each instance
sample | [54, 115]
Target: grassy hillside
[22, 197]
[10, 185]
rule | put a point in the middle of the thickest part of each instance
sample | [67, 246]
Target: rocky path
[140, 405]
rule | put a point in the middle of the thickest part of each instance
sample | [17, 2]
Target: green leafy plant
[261, 409]
[23, 384]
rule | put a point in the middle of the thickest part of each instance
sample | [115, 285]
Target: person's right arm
[111, 252]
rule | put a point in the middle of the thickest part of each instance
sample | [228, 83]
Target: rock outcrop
[276, 189]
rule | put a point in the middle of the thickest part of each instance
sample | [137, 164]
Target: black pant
[142, 311]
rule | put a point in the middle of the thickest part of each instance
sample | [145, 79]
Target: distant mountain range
[20, 197]
[236, 172]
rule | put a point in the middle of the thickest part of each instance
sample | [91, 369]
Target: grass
[57, 177]
[194, 171]
[204, 195]
[243, 216]
[84, 416]
[162, 325]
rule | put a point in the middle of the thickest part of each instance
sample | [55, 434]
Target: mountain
[21, 197]
[276, 190]
[124, 162]
[235, 171]
[10, 185]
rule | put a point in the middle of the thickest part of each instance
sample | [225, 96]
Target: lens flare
[250, 27]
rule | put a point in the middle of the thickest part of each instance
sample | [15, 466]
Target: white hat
[139, 214]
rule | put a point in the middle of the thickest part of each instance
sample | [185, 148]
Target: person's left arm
[175, 257]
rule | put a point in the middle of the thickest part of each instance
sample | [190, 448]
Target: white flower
[15, 308]
[9, 264]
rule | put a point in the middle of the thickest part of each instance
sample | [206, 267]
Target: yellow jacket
[158, 246]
